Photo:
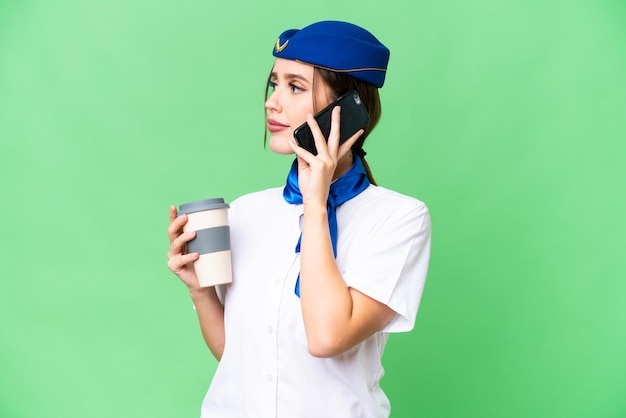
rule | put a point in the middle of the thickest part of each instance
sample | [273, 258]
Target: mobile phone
[354, 116]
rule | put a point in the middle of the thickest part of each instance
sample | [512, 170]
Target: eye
[295, 88]
[272, 85]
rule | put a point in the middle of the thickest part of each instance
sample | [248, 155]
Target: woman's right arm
[208, 307]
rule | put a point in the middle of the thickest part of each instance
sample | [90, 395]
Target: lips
[275, 126]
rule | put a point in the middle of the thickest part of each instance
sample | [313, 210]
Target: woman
[325, 267]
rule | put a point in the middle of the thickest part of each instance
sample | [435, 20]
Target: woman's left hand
[316, 172]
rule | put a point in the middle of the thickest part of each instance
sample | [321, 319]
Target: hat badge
[280, 47]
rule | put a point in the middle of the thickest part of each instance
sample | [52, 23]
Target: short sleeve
[390, 260]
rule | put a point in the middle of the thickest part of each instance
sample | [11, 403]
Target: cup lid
[200, 205]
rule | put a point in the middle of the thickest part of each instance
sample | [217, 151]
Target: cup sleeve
[391, 263]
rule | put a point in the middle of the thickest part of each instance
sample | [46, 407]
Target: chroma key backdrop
[505, 117]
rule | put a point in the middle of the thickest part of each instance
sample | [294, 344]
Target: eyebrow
[290, 76]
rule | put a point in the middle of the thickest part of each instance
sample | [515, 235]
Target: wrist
[314, 208]
[199, 294]
[315, 217]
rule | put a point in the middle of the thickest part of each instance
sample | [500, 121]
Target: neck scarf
[353, 182]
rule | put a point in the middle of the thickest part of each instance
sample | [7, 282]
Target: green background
[505, 117]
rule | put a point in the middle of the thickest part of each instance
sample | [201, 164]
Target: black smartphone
[354, 116]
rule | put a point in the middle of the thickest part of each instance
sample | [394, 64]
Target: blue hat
[338, 46]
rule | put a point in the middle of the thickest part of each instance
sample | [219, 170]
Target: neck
[343, 165]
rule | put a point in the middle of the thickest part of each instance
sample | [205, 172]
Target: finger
[333, 136]
[178, 244]
[347, 145]
[304, 155]
[318, 136]
[176, 264]
[172, 213]
[175, 228]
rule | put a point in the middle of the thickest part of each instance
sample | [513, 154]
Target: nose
[272, 103]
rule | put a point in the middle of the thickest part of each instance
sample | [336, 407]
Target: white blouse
[383, 250]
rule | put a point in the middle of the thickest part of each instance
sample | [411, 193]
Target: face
[291, 99]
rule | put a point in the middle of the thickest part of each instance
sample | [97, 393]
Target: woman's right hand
[206, 302]
[178, 260]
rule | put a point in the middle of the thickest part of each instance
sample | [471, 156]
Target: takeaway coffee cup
[209, 218]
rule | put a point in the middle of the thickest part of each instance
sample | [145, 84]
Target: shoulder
[380, 204]
[268, 196]
[263, 206]
[378, 217]
[382, 195]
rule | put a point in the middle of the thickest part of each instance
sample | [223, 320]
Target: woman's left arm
[336, 317]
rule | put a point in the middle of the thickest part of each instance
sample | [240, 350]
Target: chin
[280, 145]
